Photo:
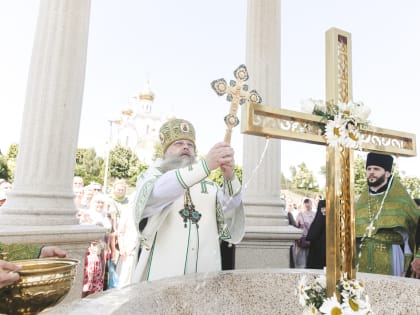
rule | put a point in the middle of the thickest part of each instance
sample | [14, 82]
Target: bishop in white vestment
[187, 214]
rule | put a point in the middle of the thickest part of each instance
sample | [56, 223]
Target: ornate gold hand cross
[237, 94]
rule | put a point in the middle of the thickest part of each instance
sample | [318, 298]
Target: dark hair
[306, 200]
[417, 201]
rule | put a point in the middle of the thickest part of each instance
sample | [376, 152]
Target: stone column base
[266, 247]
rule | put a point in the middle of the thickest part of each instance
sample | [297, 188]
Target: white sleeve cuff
[231, 186]
[192, 174]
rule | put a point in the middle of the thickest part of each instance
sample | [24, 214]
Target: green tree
[412, 184]
[119, 161]
[12, 153]
[89, 166]
[4, 170]
[360, 183]
[304, 179]
[10, 160]
[124, 163]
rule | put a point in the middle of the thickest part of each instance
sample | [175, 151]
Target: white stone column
[42, 192]
[268, 237]
[40, 207]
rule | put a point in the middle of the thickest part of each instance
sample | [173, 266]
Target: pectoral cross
[274, 122]
[370, 229]
[237, 94]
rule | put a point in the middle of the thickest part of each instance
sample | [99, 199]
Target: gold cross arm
[268, 121]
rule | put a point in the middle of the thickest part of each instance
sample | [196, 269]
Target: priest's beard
[174, 162]
[378, 182]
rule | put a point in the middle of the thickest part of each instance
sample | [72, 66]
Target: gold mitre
[176, 129]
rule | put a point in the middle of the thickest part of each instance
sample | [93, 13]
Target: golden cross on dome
[237, 94]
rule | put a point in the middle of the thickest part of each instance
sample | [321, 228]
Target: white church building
[138, 126]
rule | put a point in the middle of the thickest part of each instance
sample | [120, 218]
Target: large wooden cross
[262, 120]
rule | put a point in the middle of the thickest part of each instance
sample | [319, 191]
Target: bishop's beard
[174, 162]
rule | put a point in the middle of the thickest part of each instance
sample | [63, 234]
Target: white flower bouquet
[352, 300]
[343, 121]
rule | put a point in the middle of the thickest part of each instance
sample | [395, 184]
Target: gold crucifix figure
[238, 94]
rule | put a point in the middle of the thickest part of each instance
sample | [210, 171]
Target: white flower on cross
[343, 121]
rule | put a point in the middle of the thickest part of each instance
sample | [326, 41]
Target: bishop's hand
[221, 155]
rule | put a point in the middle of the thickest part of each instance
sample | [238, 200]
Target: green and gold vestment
[398, 212]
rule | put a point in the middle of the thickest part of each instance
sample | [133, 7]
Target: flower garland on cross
[343, 121]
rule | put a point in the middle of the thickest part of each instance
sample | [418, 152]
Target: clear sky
[181, 46]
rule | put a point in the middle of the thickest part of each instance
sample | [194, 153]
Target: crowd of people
[109, 261]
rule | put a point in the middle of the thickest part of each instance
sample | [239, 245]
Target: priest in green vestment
[386, 218]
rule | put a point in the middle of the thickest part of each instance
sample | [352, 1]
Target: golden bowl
[43, 283]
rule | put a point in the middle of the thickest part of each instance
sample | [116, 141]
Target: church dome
[127, 111]
[146, 93]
